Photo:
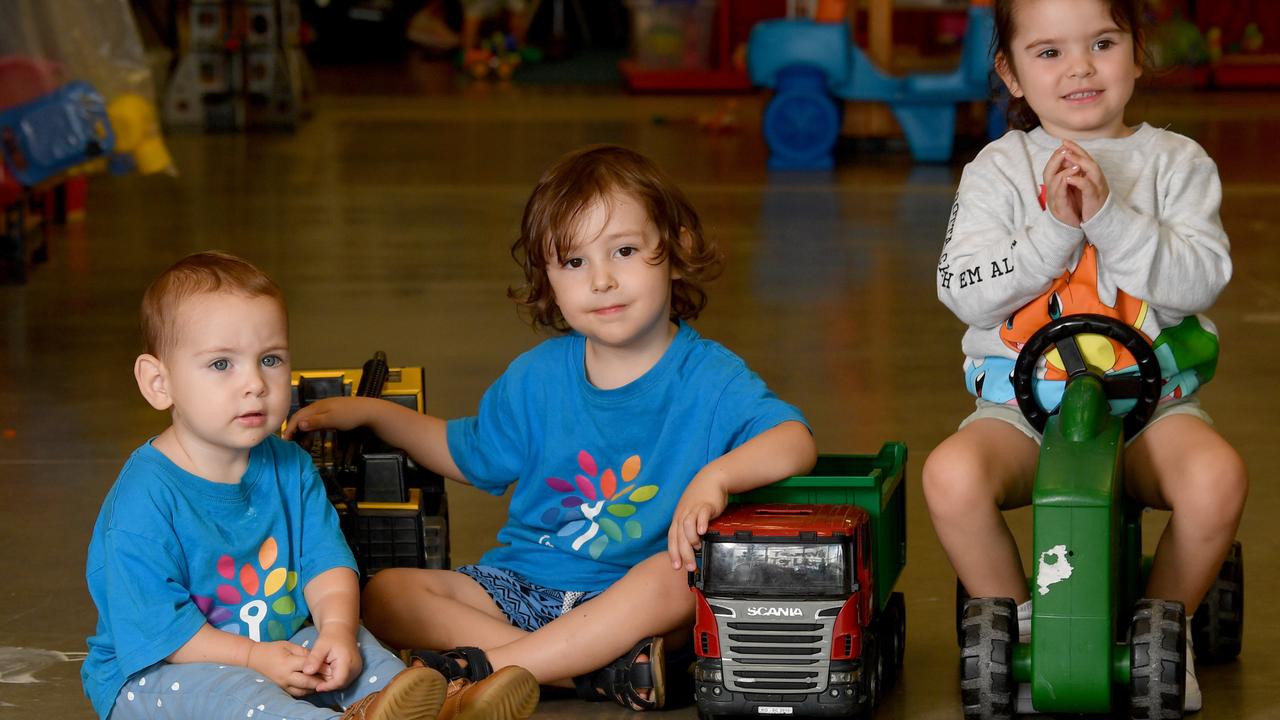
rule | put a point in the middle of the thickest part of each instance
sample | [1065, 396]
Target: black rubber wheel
[1060, 334]
[872, 673]
[894, 632]
[1217, 628]
[801, 123]
[1157, 660]
[987, 688]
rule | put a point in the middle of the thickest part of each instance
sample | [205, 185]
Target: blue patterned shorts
[526, 605]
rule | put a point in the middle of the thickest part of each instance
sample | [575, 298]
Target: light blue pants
[204, 691]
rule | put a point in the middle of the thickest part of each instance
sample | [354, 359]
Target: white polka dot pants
[203, 691]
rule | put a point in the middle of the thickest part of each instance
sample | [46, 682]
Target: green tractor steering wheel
[1061, 334]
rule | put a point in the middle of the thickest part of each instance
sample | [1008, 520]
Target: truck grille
[775, 627]
[776, 657]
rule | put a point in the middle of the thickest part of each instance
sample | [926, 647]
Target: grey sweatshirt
[1160, 251]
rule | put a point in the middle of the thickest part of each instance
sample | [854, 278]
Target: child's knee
[667, 585]
[382, 590]
[1231, 480]
[1214, 486]
[381, 584]
[1234, 478]
[953, 480]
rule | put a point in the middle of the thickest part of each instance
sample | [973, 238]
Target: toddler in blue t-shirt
[623, 436]
[217, 541]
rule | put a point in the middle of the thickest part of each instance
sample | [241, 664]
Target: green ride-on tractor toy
[1096, 644]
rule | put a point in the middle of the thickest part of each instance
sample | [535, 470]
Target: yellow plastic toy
[138, 134]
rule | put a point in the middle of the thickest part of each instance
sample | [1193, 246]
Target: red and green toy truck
[796, 612]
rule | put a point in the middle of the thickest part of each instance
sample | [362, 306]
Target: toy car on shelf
[393, 512]
[796, 612]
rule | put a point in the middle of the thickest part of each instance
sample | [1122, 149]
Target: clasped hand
[1075, 187]
[329, 665]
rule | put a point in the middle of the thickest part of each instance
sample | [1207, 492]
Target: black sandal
[619, 680]
[446, 663]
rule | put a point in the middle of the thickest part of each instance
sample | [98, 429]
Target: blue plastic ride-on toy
[1097, 646]
[810, 65]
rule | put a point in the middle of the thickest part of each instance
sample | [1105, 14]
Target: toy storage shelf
[720, 76]
[1248, 71]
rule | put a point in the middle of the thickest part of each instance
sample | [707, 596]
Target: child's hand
[334, 659]
[282, 663]
[704, 499]
[342, 413]
[1088, 184]
[1059, 198]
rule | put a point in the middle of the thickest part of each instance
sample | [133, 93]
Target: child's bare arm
[779, 452]
[280, 661]
[334, 599]
[422, 436]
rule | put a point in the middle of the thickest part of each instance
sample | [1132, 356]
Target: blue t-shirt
[600, 471]
[172, 551]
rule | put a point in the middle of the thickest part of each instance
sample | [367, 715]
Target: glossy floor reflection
[387, 220]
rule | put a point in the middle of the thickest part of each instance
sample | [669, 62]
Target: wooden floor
[387, 219]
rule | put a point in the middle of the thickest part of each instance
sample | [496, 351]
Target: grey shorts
[1012, 415]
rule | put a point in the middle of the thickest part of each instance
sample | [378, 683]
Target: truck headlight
[844, 678]
[713, 675]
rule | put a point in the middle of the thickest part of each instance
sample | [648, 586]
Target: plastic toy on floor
[796, 611]
[75, 99]
[393, 512]
[499, 56]
[1096, 645]
[810, 65]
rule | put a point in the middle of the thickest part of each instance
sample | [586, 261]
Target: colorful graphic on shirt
[1074, 293]
[591, 496]
[243, 603]
[1188, 354]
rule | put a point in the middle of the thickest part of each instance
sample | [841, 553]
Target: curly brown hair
[1127, 14]
[571, 186]
[203, 272]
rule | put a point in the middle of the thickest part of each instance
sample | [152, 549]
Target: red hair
[195, 274]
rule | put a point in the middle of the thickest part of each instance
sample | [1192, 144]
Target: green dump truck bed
[874, 483]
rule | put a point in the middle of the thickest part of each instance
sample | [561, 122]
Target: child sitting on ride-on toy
[1126, 225]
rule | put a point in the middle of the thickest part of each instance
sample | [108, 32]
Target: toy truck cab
[795, 610]
[783, 597]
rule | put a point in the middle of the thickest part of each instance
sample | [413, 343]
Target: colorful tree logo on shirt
[243, 605]
[582, 512]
